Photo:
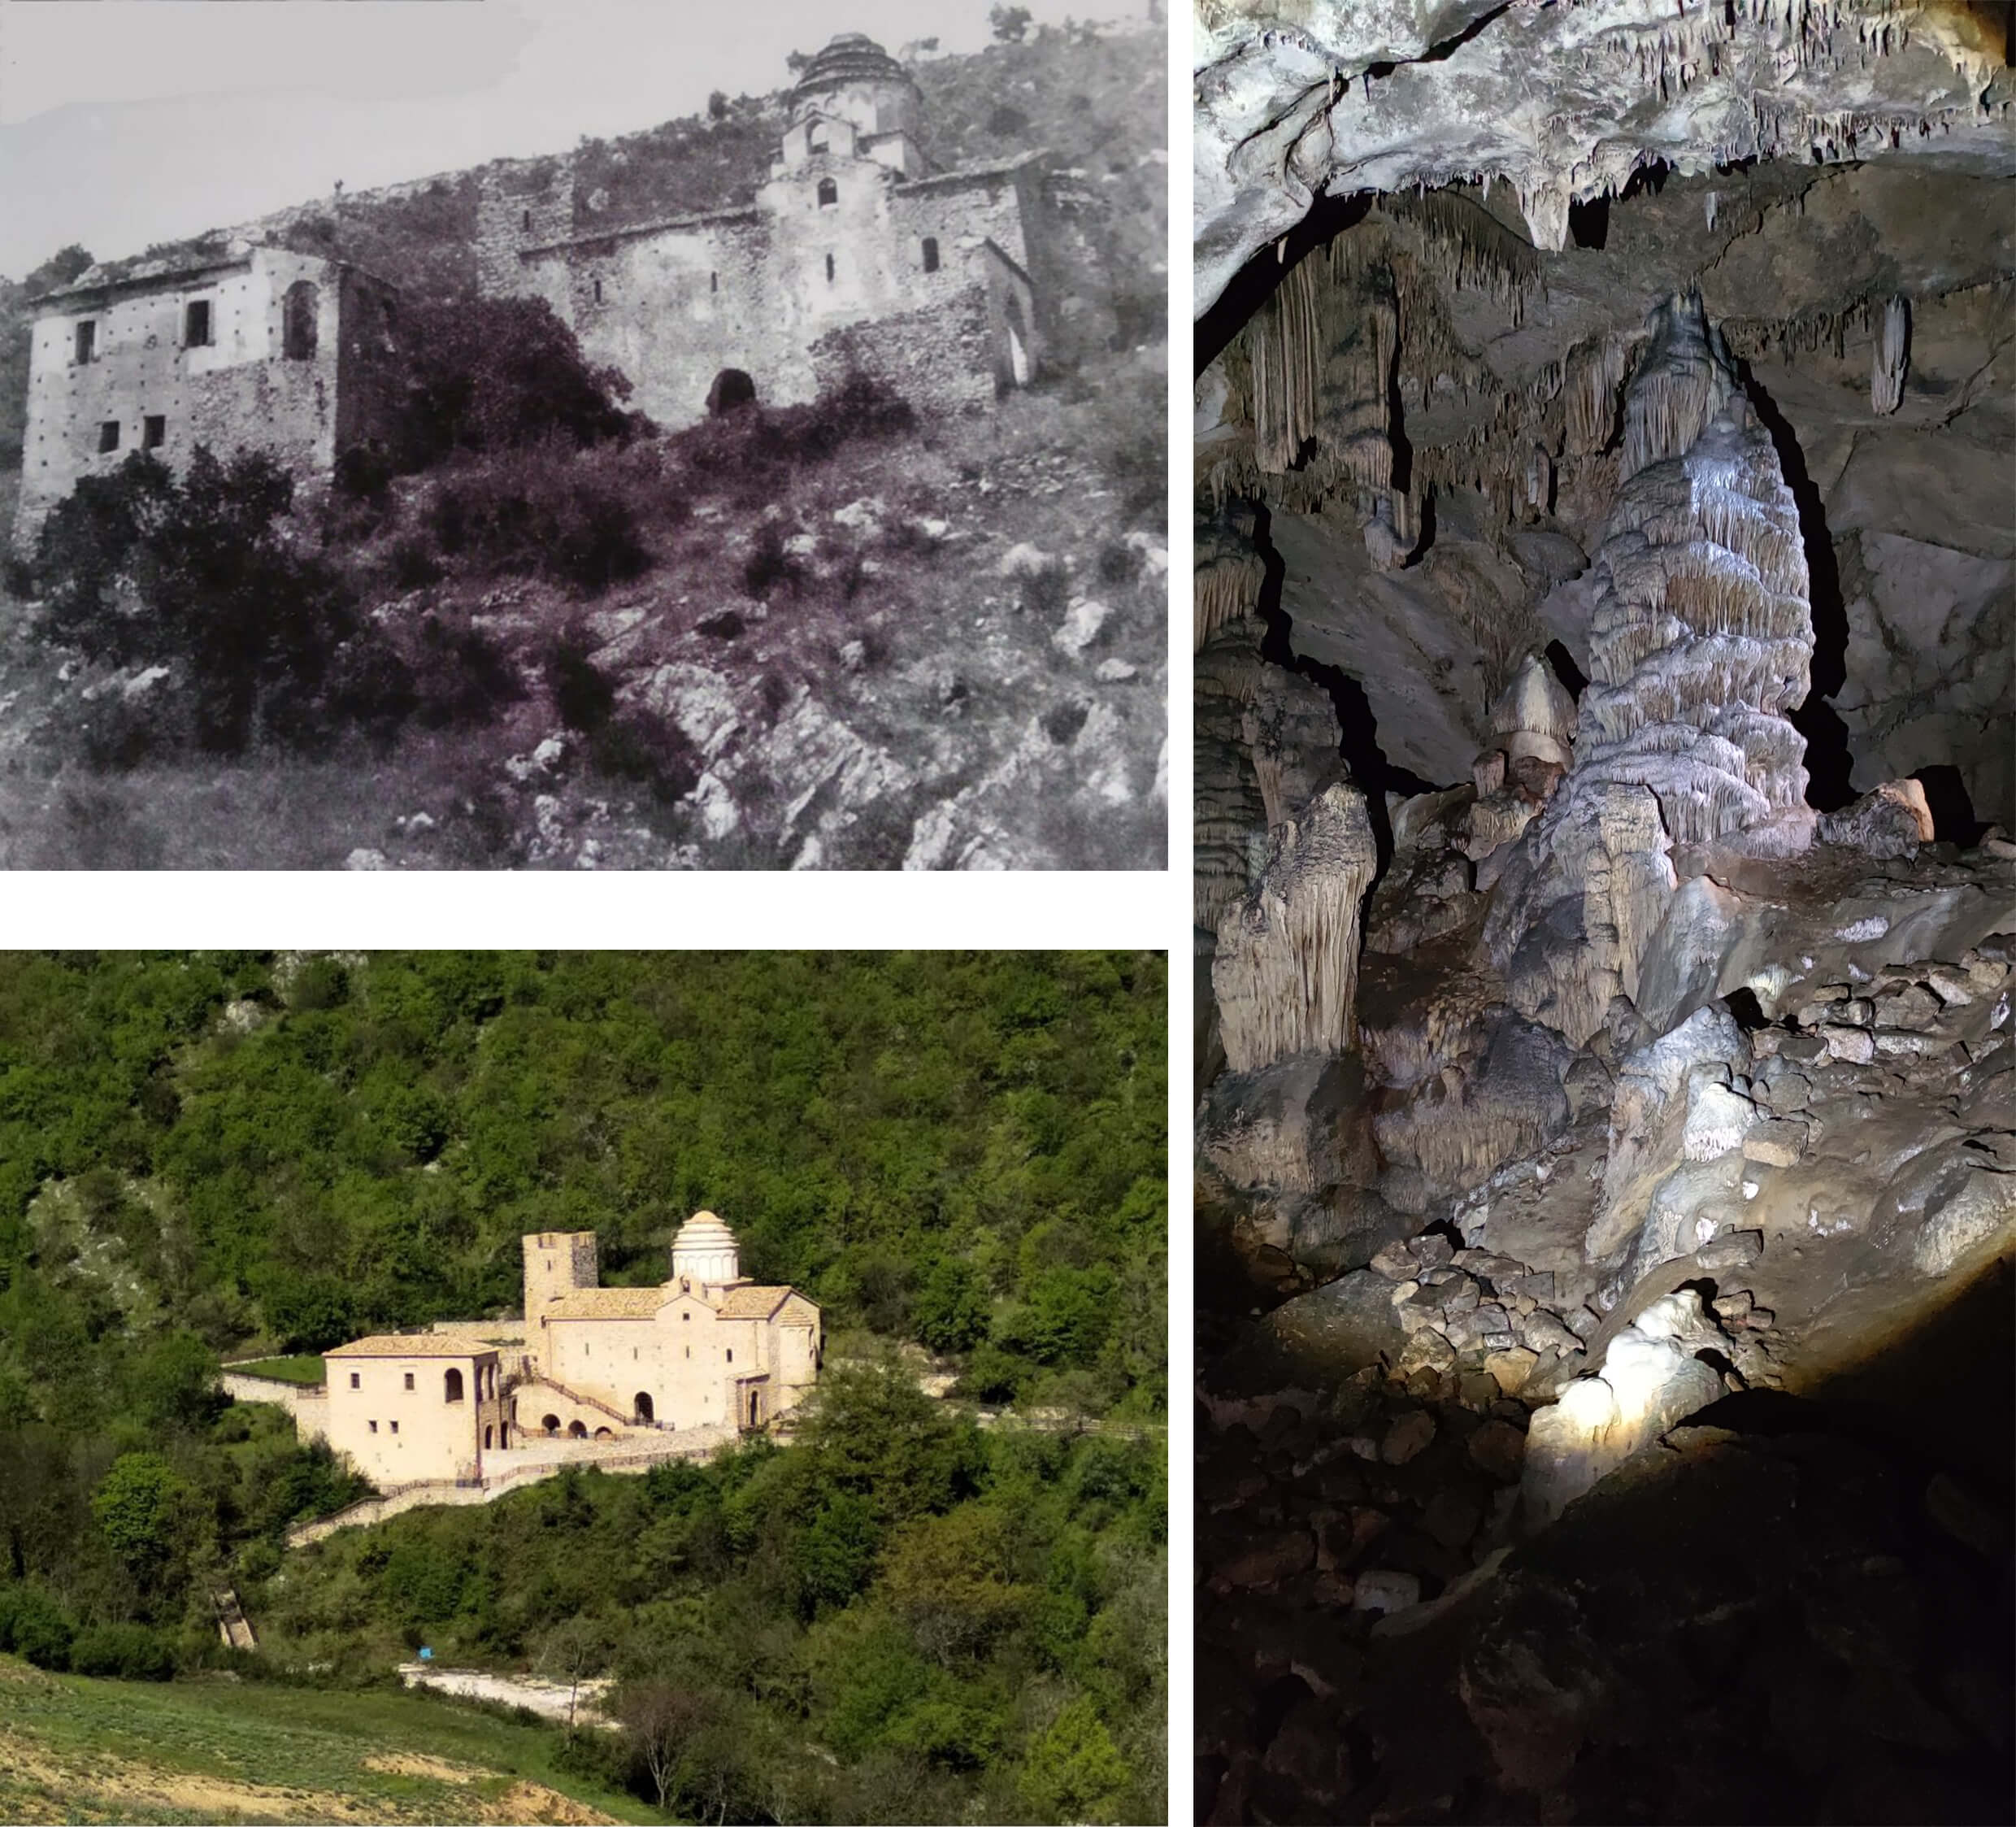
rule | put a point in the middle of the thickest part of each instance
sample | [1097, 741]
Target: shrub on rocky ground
[531, 511]
[202, 576]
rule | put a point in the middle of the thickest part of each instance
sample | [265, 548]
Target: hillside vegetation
[899, 1614]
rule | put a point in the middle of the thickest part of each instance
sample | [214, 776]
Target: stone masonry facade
[259, 348]
[856, 258]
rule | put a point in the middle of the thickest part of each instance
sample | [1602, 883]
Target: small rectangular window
[731, 1357]
[931, 254]
[356, 1381]
[87, 340]
[599, 291]
[395, 1427]
[409, 1379]
[714, 282]
[829, 269]
[108, 436]
[196, 323]
[154, 432]
[372, 1425]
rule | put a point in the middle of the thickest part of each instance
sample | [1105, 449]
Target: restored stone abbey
[706, 1352]
[856, 258]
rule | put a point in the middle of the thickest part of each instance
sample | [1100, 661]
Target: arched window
[489, 1435]
[644, 1407]
[550, 1423]
[298, 313]
[451, 1386]
[828, 192]
[578, 1429]
[931, 253]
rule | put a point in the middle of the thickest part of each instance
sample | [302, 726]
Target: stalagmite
[1701, 641]
[1891, 358]
[1286, 971]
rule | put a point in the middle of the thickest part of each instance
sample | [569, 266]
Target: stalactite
[1594, 377]
[1891, 357]
[1226, 585]
[1285, 974]
[1681, 384]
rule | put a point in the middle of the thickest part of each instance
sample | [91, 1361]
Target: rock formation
[1287, 968]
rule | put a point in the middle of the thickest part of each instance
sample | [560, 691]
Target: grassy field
[73, 1750]
[281, 1370]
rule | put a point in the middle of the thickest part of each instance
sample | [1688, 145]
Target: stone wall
[518, 207]
[942, 359]
[144, 387]
[785, 290]
[308, 1402]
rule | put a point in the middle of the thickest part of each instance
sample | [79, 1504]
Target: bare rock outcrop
[1286, 971]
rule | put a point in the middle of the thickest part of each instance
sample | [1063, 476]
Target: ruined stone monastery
[706, 1351]
[856, 258]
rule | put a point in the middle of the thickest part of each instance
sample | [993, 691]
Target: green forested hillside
[206, 1155]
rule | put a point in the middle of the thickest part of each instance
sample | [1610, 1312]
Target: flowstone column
[1701, 639]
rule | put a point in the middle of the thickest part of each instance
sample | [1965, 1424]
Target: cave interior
[1605, 912]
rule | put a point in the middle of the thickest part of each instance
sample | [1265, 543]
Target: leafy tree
[1010, 23]
[832, 1557]
[140, 1509]
[1075, 1771]
[492, 374]
[952, 1579]
[951, 1310]
[872, 1433]
[718, 106]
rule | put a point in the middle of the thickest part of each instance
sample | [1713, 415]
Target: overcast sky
[127, 122]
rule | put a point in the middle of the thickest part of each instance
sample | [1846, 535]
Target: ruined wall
[240, 389]
[672, 308]
[519, 208]
[940, 359]
[787, 289]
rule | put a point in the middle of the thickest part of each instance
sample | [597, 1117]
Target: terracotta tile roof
[413, 1344]
[609, 1304]
[752, 1303]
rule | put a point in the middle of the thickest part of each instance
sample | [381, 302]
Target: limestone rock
[1649, 1379]
[1285, 974]
[1891, 822]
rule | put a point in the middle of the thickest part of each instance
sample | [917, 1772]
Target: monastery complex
[858, 259]
[600, 1372]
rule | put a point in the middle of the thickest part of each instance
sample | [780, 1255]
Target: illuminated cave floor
[1796, 1607]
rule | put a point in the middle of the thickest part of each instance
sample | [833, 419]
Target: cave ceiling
[1414, 384]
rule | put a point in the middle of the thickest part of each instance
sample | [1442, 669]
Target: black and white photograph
[511, 434]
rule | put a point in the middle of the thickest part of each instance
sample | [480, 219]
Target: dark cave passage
[1375, 774]
[1829, 766]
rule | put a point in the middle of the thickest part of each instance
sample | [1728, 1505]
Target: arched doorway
[732, 389]
[605, 1434]
[489, 1434]
[644, 1408]
[299, 310]
[549, 1424]
[577, 1430]
[755, 1408]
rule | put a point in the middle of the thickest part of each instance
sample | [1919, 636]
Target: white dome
[704, 1251]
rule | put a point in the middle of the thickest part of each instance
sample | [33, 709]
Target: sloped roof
[609, 1304]
[752, 1303]
[413, 1344]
